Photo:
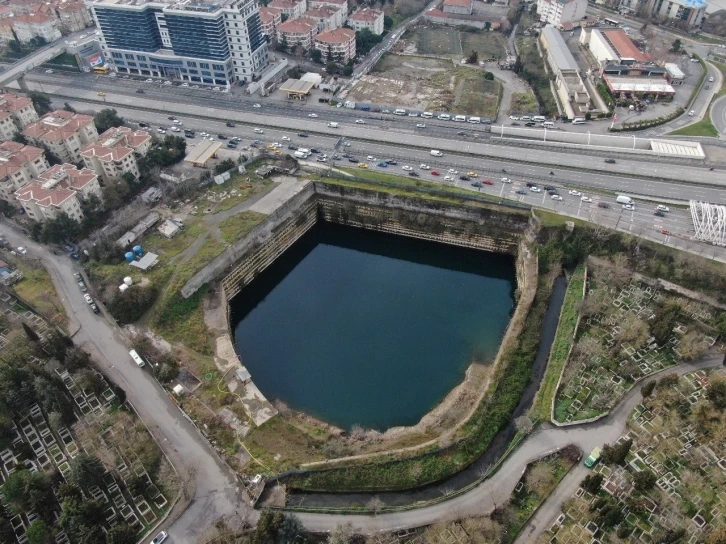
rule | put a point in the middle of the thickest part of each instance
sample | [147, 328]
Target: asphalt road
[718, 114]
[215, 493]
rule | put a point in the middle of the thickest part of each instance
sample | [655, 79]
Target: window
[204, 65]
[117, 55]
[129, 56]
[193, 71]
[140, 57]
[143, 65]
[206, 73]
[192, 64]
[217, 67]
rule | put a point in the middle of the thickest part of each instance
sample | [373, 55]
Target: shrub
[647, 389]
[133, 303]
[592, 483]
[644, 480]
[615, 455]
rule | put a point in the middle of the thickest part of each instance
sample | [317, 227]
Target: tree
[90, 380]
[41, 102]
[717, 393]
[365, 40]
[7, 534]
[592, 482]
[489, 76]
[30, 333]
[226, 164]
[282, 45]
[615, 455]
[524, 424]
[539, 477]
[341, 534]
[86, 471]
[644, 480]
[106, 119]
[677, 46]
[473, 58]
[20, 138]
[661, 326]
[375, 504]
[38, 532]
[647, 389]
[137, 485]
[15, 45]
[68, 107]
[129, 306]
[316, 55]
[121, 534]
[387, 22]
[347, 71]
[60, 229]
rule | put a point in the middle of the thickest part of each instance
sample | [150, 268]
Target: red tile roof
[12, 103]
[14, 155]
[298, 26]
[458, 3]
[270, 14]
[324, 12]
[55, 186]
[57, 125]
[366, 15]
[337, 35]
[116, 143]
[624, 46]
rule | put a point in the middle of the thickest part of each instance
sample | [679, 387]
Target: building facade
[19, 164]
[36, 25]
[337, 45]
[460, 7]
[64, 133]
[16, 112]
[372, 19]
[557, 12]
[58, 190]
[291, 9]
[271, 18]
[72, 16]
[326, 17]
[691, 12]
[341, 7]
[200, 41]
[569, 86]
[114, 153]
[298, 32]
[612, 45]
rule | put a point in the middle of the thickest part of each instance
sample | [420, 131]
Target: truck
[436, 153]
[593, 458]
[624, 199]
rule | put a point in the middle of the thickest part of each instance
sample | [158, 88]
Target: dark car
[461, 133]
[346, 155]
[521, 192]
[486, 121]
[140, 91]
[413, 174]
[530, 124]
[610, 161]
[75, 256]
[188, 135]
[477, 184]
[232, 145]
[143, 125]
[659, 213]
[313, 150]
[230, 124]
[464, 178]
[352, 159]
[293, 147]
[391, 161]
[603, 205]
[553, 192]
[303, 135]
[171, 118]
[514, 124]
[530, 184]
[336, 157]
[221, 136]
[548, 187]
[94, 308]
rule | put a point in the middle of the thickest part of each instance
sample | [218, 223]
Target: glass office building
[198, 41]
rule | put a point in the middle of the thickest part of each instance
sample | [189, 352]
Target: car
[515, 124]
[406, 168]
[286, 139]
[593, 458]
[160, 130]
[382, 164]
[573, 192]
[336, 157]
[256, 106]
[413, 174]
[556, 197]
[149, 80]
[435, 173]
[313, 115]
[476, 184]
[49, 71]
[370, 158]
[628, 207]
[230, 124]
[313, 150]
[77, 276]
[461, 133]
[472, 174]
[167, 83]
[175, 129]
[221, 136]
[514, 118]
[413, 114]
[195, 86]
[530, 124]
[360, 122]
[216, 88]
[302, 135]
[535, 189]
[610, 161]
[553, 192]
[292, 147]
[658, 213]
[158, 539]
[385, 111]
[143, 125]
[586, 199]
[506, 180]
[94, 308]
[393, 162]
[88, 298]
[549, 187]
[184, 84]
[663, 208]
[521, 192]
[424, 167]
[448, 178]
[139, 91]
[420, 125]
[259, 131]
[362, 165]
[321, 159]
[352, 159]
[691, 113]
[530, 184]
[464, 178]
[710, 79]
[231, 145]
[453, 171]
[82, 287]
[694, 60]
[487, 182]
[603, 205]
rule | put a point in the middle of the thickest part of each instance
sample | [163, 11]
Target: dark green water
[357, 327]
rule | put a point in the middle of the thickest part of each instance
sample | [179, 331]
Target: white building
[64, 133]
[326, 17]
[337, 45]
[298, 32]
[459, 7]
[612, 45]
[556, 12]
[36, 25]
[372, 19]
[115, 152]
[18, 165]
[690, 11]
[292, 9]
[16, 112]
[341, 6]
[570, 88]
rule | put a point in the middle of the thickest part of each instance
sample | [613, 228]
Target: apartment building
[271, 18]
[340, 5]
[691, 11]
[36, 25]
[337, 45]
[459, 7]
[16, 112]
[298, 32]
[326, 17]
[72, 16]
[115, 152]
[18, 165]
[58, 190]
[64, 133]
[372, 19]
[557, 12]
[217, 42]
[292, 9]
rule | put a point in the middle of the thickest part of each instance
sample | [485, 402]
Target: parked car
[610, 161]
[663, 208]
[435, 172]
[382, 164]
[22, 250]
[521, 192]
[221, 136]
[586, 199]
[230, 124]
[88, 298]
[302, 135]
[77, 276]
[603, 205]
[535, 189]
[476, 184]
[659, 213]
[82, 287]
[487, 182]
[161, 537]
[413, 174]
[464, 178]
[94, 308]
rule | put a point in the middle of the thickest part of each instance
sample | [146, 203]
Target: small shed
[169, 229]
[151, 195]
[145, 262]
[204, 151]
[674, 74]
[297, 88]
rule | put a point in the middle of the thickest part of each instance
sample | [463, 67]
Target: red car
[434, 172]
[487, 182]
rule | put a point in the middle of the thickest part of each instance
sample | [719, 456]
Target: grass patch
[488, 45]
[533, 71]
[478, 96]
[37, 288]
[704, 127]
[541, 409]
[722, 68]
[235, 227]
[438, 41]
[523, 103]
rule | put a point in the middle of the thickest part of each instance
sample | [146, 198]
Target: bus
[101, 70]
[611, 22]
[137, 358]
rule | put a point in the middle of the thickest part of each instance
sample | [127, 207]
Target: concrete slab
[257, 406]
[287, 188]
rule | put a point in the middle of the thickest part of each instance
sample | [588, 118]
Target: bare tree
[539, 477]
[375, 505]
[524, 424]
[586, 351]
[341, 534]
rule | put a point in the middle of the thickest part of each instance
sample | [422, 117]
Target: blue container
[129, 256]
[138, 251]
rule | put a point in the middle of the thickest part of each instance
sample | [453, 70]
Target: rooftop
[268, 14]
[639, 84]
[283, 4]
[12, 103]
[116, 143]
[322, 12]
[55, 186]
[366, 14]
[558, 50]
[302, 25]
[57, 125]
[297, 86]
[458, 3]
[14, 155]
[622, 44]
[201, 6]
[337, 35]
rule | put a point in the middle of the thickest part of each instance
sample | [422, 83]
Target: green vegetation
[235, 227]
[523, 103]
[106, 119]
[704, 127]
[37, 288]
[438, 41]
[531, 68]
[487, 45]
[542, 407]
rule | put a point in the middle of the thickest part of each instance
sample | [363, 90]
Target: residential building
[557, 12]
[690, 12]
[216, 42]
[271, 18]
[337, 45]
[372, 19]
[460, 7]
[72, 16]
[58, 190]
[64, 133]
[36, 25]
[340, 5]
[291, 9]
[16, 112]
[18, 165]
[298, 32]
[571, 90]
[612, 45]
[115, 152]
[326, 17]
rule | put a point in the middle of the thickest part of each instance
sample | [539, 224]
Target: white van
[137, 358]
[539, 118]
[460, 118]
[444, 116]
[525, 118]
[579, 121]
[427, 114]
[624, 199]
[436, 153]
[548, 124]
[475, 120]
[301, 154]
[399, 111]
[333, 124]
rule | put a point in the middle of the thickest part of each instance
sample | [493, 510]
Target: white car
[662, 208]
[360, 122]
[158, 539]
[514, 118]
[202, 134]
[573, 192]
[276, 145]
[258, 106]
[160, 131]
[177, 122]
[259, 131]
[371, 158]
[448, 178]
[149, 80]
[421, 125]
[216, 89]
[710, 79]
[175, 129]
[556, 197]
[184, 85]
[49, 71]
[628, 207]
[425, 167]
[167, 83]
[535, 189]
[506, 180]
[313, 115]
[586, 199]
[413, 114]
[453, 171]
[22, 250]
[286, 138]
[406, 168]
[691, 113]
[88, 298]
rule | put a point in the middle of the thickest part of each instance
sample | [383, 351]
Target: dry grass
[37, 288]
